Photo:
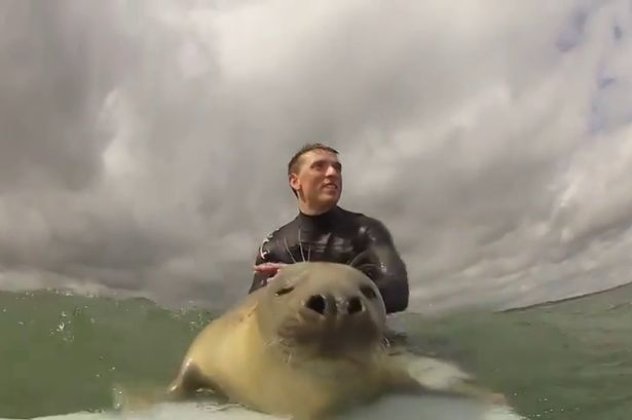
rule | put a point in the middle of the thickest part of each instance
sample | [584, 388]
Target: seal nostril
[316, 303]
[355, 305]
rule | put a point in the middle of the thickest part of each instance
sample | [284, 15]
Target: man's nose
[332, 171]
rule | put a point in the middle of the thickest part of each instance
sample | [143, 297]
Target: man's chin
[329, 200]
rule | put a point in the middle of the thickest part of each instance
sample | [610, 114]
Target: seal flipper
[189, 382]
[410, 373]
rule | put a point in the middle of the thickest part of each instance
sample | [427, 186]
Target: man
[323, 231]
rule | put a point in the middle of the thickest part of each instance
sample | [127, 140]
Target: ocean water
[498, 141]
[63, 353]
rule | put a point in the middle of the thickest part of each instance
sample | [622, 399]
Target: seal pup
[307, 345]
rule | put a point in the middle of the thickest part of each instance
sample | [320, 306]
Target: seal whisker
[289, 358]
[283, 346]
[367, 266]
[272, 342]
[300, 245]
[385, 343]
[354, 260]
[287, 248]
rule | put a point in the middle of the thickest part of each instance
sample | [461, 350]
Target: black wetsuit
[344, 237]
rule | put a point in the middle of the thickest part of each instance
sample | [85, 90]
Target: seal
[308, 345]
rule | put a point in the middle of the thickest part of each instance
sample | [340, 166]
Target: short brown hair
[293, 164]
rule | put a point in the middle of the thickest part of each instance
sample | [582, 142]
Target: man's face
[319, 179]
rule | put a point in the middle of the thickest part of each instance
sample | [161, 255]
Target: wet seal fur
[308, 345]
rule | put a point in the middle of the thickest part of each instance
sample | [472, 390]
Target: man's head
[315, 176]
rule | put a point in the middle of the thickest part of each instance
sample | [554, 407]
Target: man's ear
[294, 181]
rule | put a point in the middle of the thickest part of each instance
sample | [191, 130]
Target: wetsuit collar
[319, 221]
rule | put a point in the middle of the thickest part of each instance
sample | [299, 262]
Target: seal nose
[317, 303]
[328, 305]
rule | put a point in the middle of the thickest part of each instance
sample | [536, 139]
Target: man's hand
[270, 269]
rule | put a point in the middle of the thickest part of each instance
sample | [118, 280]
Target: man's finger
[268, 267]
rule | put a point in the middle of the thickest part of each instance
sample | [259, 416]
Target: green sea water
[61, 353]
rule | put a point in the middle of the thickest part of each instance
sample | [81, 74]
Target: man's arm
[384, 265]
[260, 277]
[266, 265]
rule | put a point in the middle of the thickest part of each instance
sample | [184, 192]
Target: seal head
[322, 309]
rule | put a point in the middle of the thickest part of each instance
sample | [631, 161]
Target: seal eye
[284, 291]
[368, 292]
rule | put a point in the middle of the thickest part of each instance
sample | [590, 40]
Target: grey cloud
[53, 80]
[145, 143]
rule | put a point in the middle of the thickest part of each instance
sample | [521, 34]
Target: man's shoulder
[350, 213]
[370, 228]
[269, 241]
[282, 229]
[364, 220]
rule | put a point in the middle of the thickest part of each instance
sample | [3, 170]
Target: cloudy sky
[144, 143]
